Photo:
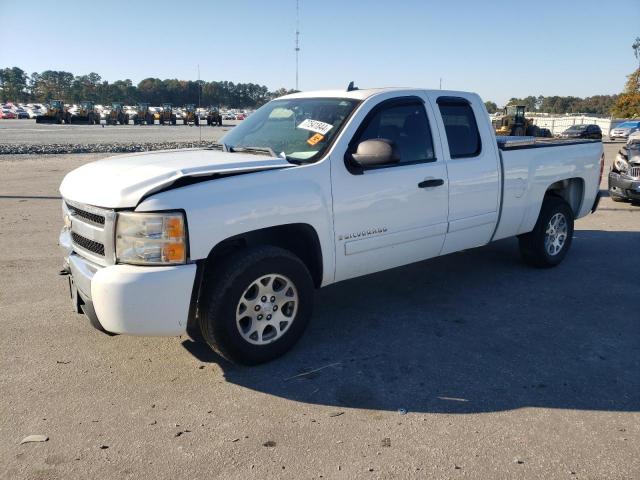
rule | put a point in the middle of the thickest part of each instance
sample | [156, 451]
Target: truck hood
[122, 181]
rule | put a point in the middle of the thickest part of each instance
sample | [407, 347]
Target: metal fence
[557, 125]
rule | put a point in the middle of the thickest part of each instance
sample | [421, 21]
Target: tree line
[17, 86]
[595, 105]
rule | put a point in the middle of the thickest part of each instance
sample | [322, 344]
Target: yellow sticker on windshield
[315, 139]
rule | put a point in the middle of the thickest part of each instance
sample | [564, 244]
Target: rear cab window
[460, 126]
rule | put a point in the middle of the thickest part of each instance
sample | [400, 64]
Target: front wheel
[549, 241]
[256, 306]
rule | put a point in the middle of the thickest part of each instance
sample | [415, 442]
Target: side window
[461, 128]
[406, 126]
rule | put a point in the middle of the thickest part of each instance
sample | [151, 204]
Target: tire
[534, 246]
[617, 199]
[225, 288]
[196, 122]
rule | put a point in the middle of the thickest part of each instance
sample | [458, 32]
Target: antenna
[297, 49]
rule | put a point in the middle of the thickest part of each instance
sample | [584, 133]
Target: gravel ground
[503, 371]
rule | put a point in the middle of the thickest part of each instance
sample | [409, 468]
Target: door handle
[433, 182]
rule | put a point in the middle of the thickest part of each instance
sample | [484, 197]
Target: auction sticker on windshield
[316, 126]
[315, 139]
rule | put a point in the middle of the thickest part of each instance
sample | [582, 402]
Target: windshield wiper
[217, 146]
[267, 150]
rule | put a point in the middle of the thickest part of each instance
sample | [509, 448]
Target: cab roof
[363, 94]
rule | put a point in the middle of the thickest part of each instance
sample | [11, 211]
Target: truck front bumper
[133, 300]
[621, 186]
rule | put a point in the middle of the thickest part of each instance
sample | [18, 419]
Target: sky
[499, 49]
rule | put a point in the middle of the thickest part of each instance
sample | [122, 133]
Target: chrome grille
[92, 217]
[90, 245]
[92, 232]
[634, 172]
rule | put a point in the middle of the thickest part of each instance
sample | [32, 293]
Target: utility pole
[297, 49]
[198, 109]
[440, 83]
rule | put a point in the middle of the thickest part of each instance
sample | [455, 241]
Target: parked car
[582, 131]
[20, 113]
[624, 177]
[624, 129]
[34, 112]
[7, 114]
[362, 181]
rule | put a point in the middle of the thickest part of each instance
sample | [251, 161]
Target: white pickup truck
[229, 243]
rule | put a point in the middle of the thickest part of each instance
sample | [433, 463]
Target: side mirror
[375, 152]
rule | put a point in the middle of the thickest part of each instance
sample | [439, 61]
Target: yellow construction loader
[143, 115]
[512, 122]
[86, 114]
[56, 113]
[166, 115]
[117, 115]
[190, 115]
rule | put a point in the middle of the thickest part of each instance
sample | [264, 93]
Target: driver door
[390, 215]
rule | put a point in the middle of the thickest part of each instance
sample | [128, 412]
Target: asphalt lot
[28, 132]
[504, 371]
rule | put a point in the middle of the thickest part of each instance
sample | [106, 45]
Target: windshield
[578, 127]
[299, 129]
[628, 125]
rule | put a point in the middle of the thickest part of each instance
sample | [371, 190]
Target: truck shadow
[476, 331]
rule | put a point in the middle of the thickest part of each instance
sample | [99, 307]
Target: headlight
[151, 238]
[620, 164]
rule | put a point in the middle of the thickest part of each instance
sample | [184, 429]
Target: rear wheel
[256, 306]
[549, 241]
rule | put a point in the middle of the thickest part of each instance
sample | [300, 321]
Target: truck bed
[530, 165]
[518, 143]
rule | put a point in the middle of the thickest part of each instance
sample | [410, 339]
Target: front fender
[226, 207]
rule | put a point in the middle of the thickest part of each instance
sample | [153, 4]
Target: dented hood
[122, 181]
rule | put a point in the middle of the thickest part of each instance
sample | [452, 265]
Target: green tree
[13, 85]
[491, 107]
[628, 103]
